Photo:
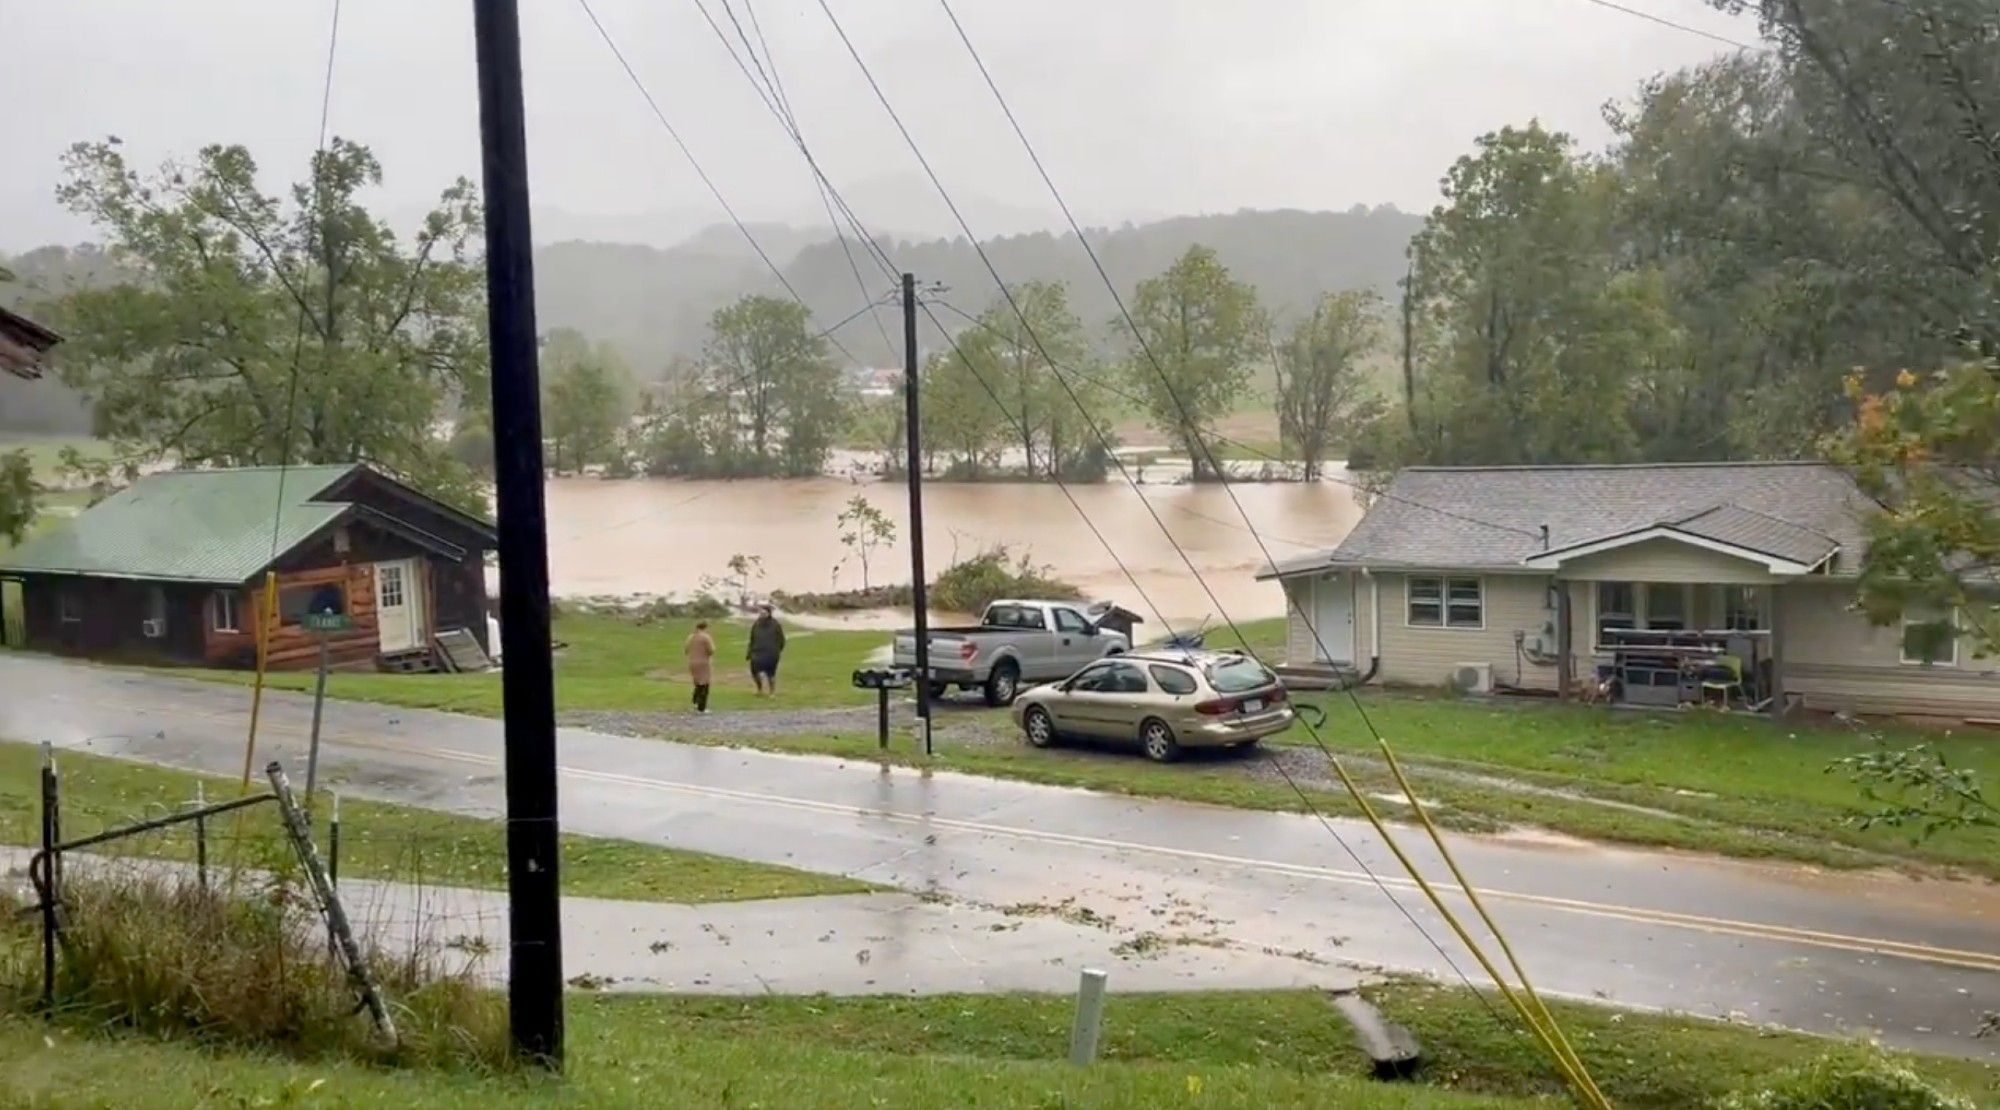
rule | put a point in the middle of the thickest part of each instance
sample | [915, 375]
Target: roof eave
[1775, 564]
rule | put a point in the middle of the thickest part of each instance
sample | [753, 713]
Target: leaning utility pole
[913, 465]
[534, 913]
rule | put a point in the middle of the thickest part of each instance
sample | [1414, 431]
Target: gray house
[1656, 584]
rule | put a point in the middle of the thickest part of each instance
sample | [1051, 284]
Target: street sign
[326, 622]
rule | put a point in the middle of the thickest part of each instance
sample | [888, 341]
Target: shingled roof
[23, 344]
[216, 526]
[1491, 518]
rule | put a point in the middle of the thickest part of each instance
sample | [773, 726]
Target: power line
[1551, 1035]
[694, 162]
[1665, 22]
[1105, 444]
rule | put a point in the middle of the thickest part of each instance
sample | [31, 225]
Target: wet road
[1916, 962]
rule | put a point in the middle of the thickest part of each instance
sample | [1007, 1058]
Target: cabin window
[1444, 603]
[1930, 637]
[222, 612]
[295, 602]
[69, 608]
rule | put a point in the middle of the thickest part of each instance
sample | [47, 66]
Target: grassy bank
[378, 841]
[616, 663]
[1251, 1049]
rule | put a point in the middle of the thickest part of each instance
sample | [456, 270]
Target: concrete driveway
[1915, 961]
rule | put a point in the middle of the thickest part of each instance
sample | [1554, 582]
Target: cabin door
[399, 606]
[13, 614]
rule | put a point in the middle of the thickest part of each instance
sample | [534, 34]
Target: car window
[1067, 620]
[1234, 676]
[1015, 616]
[1173, 680]
[1124, 678]
[1090, 678]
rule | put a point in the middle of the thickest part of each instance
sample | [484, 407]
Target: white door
[1333, 619]
[399, 605]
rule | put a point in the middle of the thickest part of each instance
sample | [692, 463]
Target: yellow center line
[1978, 961]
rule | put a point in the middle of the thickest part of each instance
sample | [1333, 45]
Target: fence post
[201, 837]
[51, 871]
[1089, 1017]
[329, 901]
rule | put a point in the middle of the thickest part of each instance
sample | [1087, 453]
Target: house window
[1444, 603]
[156, 611]
[69, 608]
[1930, 637]
[222, 612]
[1617, 607]
[1742, 608]
[1658, 606]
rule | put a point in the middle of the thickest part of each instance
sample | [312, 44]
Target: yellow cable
[1472, 895]
[264, 623]
[1586, 1090]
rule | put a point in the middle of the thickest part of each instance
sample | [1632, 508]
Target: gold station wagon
[1165, 700]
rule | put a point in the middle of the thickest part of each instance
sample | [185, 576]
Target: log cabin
[24, 345]
[173, 569]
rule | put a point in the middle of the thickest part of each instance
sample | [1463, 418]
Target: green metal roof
[189, 526]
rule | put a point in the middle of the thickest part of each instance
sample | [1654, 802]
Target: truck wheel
[1158, 739]
[1003, 683]
[1039, 727]
[939, 691]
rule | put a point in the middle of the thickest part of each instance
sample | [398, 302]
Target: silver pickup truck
[1014, 642]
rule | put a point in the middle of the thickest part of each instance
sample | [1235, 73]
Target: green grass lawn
[378, 841]
[614, 662]
[1231, 1049]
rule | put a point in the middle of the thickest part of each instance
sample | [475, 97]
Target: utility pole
[914, 467]
[534, 913]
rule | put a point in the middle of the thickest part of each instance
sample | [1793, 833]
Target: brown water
[662, 537]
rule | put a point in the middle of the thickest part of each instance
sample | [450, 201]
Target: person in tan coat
[700, 651]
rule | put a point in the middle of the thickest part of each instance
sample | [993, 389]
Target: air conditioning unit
[1472, 678]
[153, 628]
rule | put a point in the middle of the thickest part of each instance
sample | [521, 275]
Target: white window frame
[1444, 582]
[1641, 617]
[1903, 640]
[1721, 599]
[219, 601]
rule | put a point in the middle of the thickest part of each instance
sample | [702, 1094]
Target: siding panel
[1427, 656]
[1836, 660]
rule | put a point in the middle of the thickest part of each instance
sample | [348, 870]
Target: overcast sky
[1141, 108]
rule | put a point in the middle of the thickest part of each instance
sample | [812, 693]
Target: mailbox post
[881, 681]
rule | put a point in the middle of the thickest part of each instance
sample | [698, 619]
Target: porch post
[1565, 664]
[1777, 653]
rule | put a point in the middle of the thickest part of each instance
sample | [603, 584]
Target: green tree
[863, 528]
[18, 492]
[586, 400]
[959, 417]
[1199, 330]
[776, 383]
[247, 329]
[1050, 406]
[1321, 391]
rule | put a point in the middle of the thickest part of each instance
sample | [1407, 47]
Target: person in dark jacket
[767, 644]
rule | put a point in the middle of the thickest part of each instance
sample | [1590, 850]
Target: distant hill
[654, 303]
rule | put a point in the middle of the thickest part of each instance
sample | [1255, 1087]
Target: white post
[1089, 1017]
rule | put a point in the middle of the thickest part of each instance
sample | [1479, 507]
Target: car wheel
[1039, 727]
[1159, 742]
[1003, 684]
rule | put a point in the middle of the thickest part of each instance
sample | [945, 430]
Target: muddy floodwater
[649, 536]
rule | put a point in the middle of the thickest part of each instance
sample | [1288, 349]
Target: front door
[399, 605]
[13, 616]
[1333, 620]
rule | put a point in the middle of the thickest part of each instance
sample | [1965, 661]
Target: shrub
[150, 950]
[1850, 1079]
[969, 586]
